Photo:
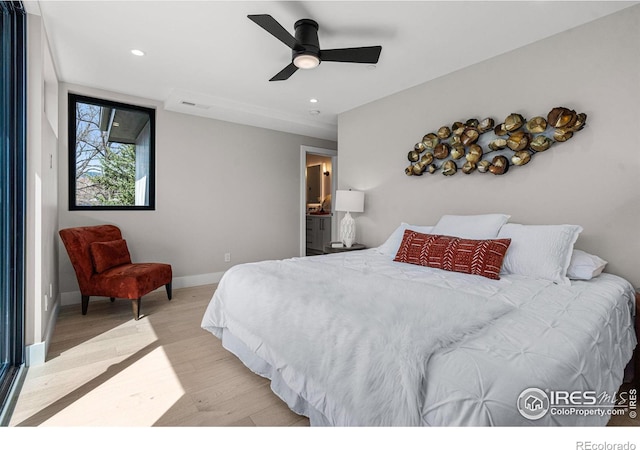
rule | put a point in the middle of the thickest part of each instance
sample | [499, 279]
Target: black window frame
[13, 153]
[73, 99]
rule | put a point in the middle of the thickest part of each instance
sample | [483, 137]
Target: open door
[318, 174]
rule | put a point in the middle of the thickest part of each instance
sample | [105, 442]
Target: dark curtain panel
[12, 198]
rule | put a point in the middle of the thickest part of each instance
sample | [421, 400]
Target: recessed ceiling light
[137, 52]
[313, 100]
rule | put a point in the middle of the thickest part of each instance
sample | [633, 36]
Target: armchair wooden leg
[135, 304]
[85, 304]
[168, 287]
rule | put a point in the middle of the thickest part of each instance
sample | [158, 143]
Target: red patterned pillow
[106, 255]
[476, 257]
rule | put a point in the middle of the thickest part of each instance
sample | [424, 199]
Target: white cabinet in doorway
[318, 233]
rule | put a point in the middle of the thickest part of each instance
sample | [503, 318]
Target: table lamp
[349, 201]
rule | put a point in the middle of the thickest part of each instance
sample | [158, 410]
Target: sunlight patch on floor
[153, 389]
[76, 369]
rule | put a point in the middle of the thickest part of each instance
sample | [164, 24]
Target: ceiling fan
[305, 48]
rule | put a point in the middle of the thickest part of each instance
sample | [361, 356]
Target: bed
[363, 338]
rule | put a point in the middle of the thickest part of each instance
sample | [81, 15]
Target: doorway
[318, 170]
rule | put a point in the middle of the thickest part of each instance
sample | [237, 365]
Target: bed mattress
[526, 334]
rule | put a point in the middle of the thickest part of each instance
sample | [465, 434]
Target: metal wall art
[487, 147]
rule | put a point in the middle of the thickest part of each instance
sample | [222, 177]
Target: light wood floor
[105, 369]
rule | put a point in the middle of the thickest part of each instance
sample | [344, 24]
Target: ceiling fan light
[306, 61]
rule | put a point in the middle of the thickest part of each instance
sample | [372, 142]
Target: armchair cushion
[130, 280]
[106, 255]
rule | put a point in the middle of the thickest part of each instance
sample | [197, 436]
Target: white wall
[42, 202]
[592, 180]
[220, 188]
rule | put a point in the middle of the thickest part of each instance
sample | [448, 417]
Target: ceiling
[209, 54]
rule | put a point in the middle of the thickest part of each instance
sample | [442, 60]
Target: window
[12, 200]
[111, 155]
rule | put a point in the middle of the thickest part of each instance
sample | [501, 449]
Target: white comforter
[367, 341]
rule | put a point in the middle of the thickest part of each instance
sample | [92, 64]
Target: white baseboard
[197, 280]
[35, 354]
[75, 298]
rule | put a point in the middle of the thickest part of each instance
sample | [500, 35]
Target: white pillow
[539, 251]
[584, 266]
[391, 245]
[482, 226]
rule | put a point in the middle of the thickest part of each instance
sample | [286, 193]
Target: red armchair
[103, 266]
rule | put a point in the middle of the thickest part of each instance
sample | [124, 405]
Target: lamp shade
[350, 201]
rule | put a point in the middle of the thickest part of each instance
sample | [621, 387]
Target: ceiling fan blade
[285, 73]
[273, 27]
[367, 55]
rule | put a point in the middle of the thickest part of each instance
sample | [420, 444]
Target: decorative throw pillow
[540, 251]
[480, 226]
[475, 257]
[585, 266]
[106, 255]
[390, 246]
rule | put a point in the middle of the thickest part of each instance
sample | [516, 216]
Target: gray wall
[42, 179]
[220, 188]
[592, 180]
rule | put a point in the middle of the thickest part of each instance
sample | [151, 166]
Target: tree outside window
[111, 155]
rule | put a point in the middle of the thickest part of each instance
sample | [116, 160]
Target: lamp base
[348, 230]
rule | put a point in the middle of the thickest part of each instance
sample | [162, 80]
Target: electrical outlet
[46, 302]
[227, 257]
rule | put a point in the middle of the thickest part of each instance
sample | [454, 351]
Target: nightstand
[329, 249]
